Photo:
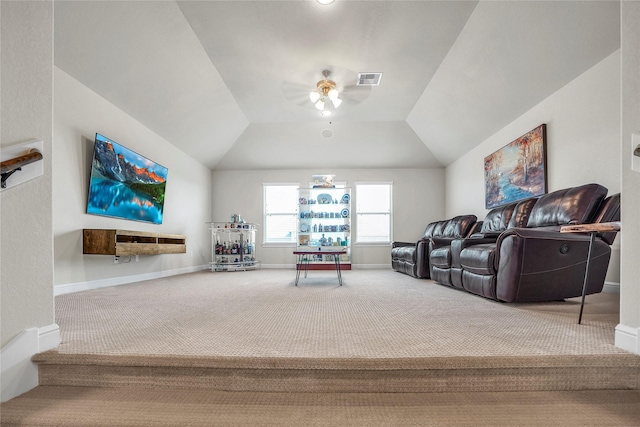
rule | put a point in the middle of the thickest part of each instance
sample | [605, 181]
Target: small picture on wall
[518, 170]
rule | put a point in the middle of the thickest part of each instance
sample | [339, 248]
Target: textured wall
[78, 114]
[630, 272]
[583, 143]
[26, 245]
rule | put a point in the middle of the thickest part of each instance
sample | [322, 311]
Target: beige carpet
[381, 332]
[251, 349]
[377, 314]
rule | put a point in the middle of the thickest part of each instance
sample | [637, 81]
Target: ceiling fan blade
[297, 93]
[354, 94]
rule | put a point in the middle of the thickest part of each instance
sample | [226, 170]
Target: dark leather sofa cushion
[479, 259]
[497, 220]
[480, 285]
[521, 213]
[407, 253]
[574, 205]
[405, 267]
[441, 257]
[434, 229]
[459, 226]
[504, 217]
[458, 245]
[454, 228]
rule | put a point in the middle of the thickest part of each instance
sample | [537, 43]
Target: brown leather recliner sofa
[526, 258]
[445, 255]
[412, 258]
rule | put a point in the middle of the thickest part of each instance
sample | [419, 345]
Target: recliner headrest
[497, 220]
[575, 205]
[457, 227]
[521, 213]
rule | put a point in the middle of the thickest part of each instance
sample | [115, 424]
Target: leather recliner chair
[538, 263]
[445, 256]
[412, 258]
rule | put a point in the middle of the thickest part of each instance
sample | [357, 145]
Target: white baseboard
[278, 266]
[353, 266]
[371, 266]
[69, 288]
[628, 338]
[18, 374]
[611, 288]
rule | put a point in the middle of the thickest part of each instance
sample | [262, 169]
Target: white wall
[27, 89]
[628, 332]
[418, 199]
[26, 246]
[583, 144]
[78, 114]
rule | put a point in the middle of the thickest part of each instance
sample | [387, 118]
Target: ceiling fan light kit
[326, 96]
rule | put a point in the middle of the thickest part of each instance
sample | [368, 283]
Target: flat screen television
[125, 184]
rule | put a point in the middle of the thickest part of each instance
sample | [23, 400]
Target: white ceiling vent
[369, 79]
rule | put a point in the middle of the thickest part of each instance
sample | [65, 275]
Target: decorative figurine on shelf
[322, 181]
[237, 218]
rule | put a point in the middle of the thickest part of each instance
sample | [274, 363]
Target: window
[280, 212]
[373, 212]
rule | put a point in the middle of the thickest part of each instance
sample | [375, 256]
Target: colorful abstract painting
[518, 170]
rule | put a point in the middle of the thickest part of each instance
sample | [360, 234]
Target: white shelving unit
[324, 224]
[233, 246]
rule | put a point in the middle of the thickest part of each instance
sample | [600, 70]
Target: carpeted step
[413, 375]
[132, 406]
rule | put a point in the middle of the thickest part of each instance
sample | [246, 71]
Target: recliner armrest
[490, 235]
[543, 233]
[401, 244]
[438, 242]
[459, 244]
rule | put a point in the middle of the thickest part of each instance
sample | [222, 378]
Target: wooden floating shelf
[127, 242]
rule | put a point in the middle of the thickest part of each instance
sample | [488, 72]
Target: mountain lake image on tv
[125, 184]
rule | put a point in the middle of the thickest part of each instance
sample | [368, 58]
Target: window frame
[356, 237]
[292, 242]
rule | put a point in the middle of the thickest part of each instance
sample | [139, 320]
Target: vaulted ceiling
[227, 82]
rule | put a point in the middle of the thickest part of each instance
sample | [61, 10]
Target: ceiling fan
[325, 97]
[335, 88]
